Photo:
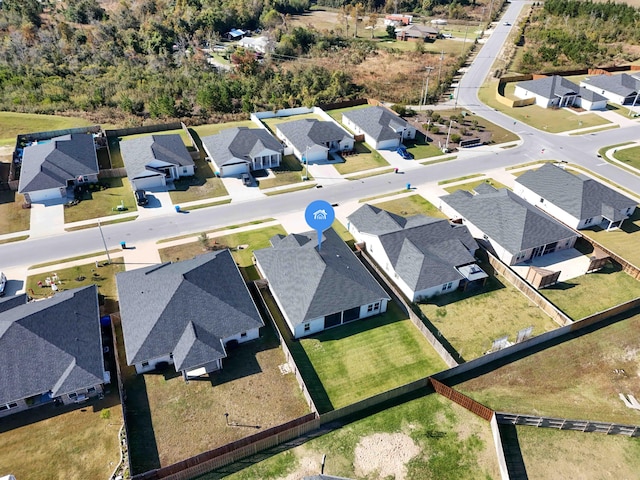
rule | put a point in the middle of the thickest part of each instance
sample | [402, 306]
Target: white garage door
[42, 195]
[147, 183]
[234, 169]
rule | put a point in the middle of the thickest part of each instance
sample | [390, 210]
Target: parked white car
[3, 283]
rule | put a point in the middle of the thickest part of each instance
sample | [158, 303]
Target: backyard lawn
[103, 203]
[472, 185]
[204, 184]
[411, 205]
[429, 437]
[290, 171]
[13, 218]
[370, 356]
[214, 128]
[576, 379]
[623, 241]
[471, 320]
[336, 114]
[73, 443]
[420, 148]
[250, 240]
[12, 124]
[576, 297]
[272, 122]
[366, 158]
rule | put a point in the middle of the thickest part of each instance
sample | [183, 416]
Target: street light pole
[104, 243]
[446, 144]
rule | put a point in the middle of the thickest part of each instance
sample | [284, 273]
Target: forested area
[566, 34]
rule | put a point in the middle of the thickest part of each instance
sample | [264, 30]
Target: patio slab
[570, 262]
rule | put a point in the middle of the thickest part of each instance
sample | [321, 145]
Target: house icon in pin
[320, 214]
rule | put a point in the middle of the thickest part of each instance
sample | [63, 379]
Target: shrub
[455, 138]
[105, 414]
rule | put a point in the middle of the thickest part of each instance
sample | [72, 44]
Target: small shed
[541, 277]
[597, 260]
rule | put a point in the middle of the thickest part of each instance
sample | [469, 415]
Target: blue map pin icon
[319, 216]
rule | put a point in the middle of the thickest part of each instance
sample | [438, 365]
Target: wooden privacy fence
[462, 400]
[161, 127]
[567, 424]
[627, 267]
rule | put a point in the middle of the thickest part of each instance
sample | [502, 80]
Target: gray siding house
[313, 140]
[381, 128]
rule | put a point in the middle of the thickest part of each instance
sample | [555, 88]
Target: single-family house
[186, 313]
[235, 34]
[417, 32]
[260, 44]
[622, 89]
[397, 19]
[49, 167]
[423, 256]
[50, 350]
[382, 129]
[318, 286]
[312, 140]
[239, 150]
[557, 91]
[154, 160]
[508, 224]
[576, 200]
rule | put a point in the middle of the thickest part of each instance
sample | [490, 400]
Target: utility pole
[440, 69]
[446, 144]
[636, 97]
[106, 250]
[426, 87]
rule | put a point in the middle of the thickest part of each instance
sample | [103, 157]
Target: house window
[243, 334]
[447, 286]
[376, 306]
[588, 221]
[307, 327]
[145, 364]
[91, 389]
[73, 395]
[4, 407]
[13, 405]
[541, 200]
[184, 169]
[370, 308]
[171, 355]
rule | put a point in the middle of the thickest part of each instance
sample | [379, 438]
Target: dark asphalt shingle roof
[377, 122]
[240, 144]
[311, 283]
[424, 251]
[50, 165]
[590, 95]
[51, 345]
[157, 304]
[578, 195]
[139, 152]
[309, 132]
[508, 219]
[622, 84]
[550, 87]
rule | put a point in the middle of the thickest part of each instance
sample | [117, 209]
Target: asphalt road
[576, 149]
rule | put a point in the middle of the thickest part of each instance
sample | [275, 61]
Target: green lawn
[336, 114]
[366, 158]
[471, 320]
[576, 297]
[629, 156]
[250, 240]
[204, 184]
[472, 185]
[290, 171]
[449, 443]
[370, 356]
[214, 128]
[103, 203]
[546, 119]
[411, 205]
[272, 122]
[623, 241]
[574, 379]
[420, 149]
[13, 218]
[498, 134]
[12, 124]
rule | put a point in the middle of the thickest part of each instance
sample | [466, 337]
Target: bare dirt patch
[385, 454]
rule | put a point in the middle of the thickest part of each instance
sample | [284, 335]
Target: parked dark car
[3, 283]
[141, 198]
[402, 151]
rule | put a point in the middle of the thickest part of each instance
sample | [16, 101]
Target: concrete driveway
[159, 204]
[47, 218]
[239, 192]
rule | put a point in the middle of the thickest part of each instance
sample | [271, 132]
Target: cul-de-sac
[319, 239]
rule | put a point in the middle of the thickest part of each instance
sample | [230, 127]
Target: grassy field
[290, 171]
[550, 453]
[472, 185]
[546, 119]
[366, 159]
[420, 149]
[185, 419]
[73, 443]
[363, 358]
[411, 205]
[251, 240]
[12, 124]
[13, 218]
[79, 276]
[204, 184]
[629, 156]
[575, 379]
[103, 203]
[498, 134]
[271, 123]
[214, 128]
[575, 297]
[471, 320]
[623, 241]
[449, 443]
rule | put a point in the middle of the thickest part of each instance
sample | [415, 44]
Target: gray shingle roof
[240, 144]
[50, 165]
[622, 84]
[580, 196]
[508, 219]
[424, 251]
[158, 303]
[377, 122]
[309, 132]
[550, 87]
[311, 283]
[590, 95]
[139, 152]
[51, 345]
